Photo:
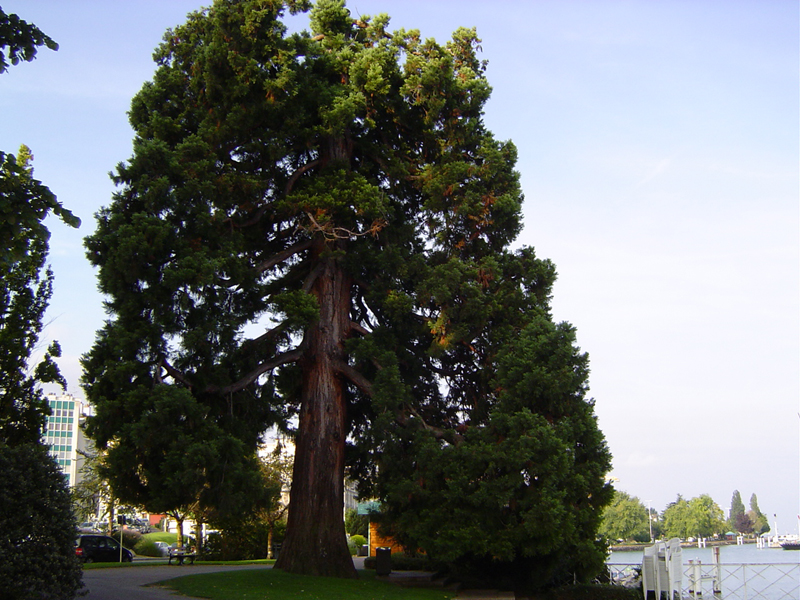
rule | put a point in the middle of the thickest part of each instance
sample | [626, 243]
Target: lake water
[744, 554]
[746, 572]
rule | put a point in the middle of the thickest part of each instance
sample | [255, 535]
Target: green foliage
[404, 562]
[625, 519]
[758, 519]
[247, 534]
[37, 546]
[26, 286]
[145, 547]
[338, 191]
[19, 40]
[355, 542]
[698, 517]
[356, 524]
[737, 519]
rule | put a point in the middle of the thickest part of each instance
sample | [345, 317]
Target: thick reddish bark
[315, 541]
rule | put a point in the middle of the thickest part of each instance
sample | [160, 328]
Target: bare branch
[282, 256]
[342, 233]
[282, 359]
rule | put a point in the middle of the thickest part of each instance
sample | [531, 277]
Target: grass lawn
[161, 536]
[269, 584]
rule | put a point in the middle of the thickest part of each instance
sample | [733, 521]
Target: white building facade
[64, 435]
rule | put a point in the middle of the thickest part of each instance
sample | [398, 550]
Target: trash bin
[383, 561]
[363, 550]
[276, 550]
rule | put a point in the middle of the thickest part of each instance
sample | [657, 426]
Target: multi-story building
[64, 435]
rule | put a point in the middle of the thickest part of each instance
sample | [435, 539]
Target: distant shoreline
[709, 543]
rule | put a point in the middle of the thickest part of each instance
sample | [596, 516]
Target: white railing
[773, 581]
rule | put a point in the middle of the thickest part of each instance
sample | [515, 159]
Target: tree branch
[288, 357]
[174, 373]
[359, 328]
[296, 175]
[448, 435]
[282, 256]
[355, 377]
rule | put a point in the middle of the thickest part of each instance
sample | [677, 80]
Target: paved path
[126, 583]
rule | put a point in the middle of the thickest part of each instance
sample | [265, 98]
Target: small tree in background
[736, 517]
[626, 519]
[757, 518]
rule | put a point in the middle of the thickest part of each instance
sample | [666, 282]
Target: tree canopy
[25, 290]
[314, 231]
[625, 519]
[698, 517]
[19, 40]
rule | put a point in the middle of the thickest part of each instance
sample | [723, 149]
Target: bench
[180, 557]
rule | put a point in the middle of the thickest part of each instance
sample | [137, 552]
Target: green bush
[146, 548]
[355, 542]
[37, 527]
[401, 562]
[129, 538]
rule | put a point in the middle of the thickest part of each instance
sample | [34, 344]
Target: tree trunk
[315, 542]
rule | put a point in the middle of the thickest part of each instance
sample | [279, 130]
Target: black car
[100, 548]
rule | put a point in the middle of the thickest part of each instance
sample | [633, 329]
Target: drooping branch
[282, 256]
[282, 359]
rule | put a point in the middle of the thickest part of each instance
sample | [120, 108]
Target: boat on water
[791, 545]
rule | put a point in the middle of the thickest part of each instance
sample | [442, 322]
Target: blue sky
[658, 153]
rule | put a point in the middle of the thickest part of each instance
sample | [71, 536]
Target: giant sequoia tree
[313, 231]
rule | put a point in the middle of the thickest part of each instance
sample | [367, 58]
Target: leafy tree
[37, 544]
[19, 40]
[338, 191]
[698, 517]
[625, 519]
[26, 286]
[757, 518]
[37, 552]
[250, 533]
[737, 520]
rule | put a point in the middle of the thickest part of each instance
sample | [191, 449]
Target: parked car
[162, 547]
[89, 527]
[100, 548]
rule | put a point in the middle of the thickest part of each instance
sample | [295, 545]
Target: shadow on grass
[269, 584]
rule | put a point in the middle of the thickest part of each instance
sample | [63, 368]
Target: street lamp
[650, 520]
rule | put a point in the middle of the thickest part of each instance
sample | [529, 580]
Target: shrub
[401, 562]
[146, 548]
[130, 538]
[355, 542]
[37, 544]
